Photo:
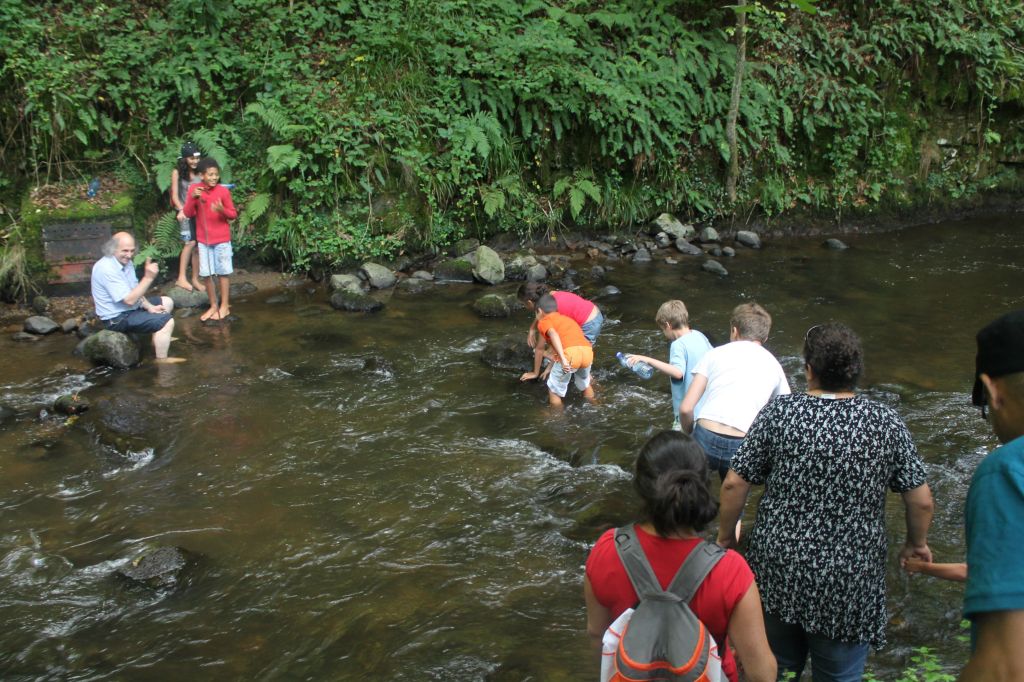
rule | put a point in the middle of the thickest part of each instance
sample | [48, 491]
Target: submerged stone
[714, 267]
[509, 352]
[162, 567]
[749, 239]
[491, 305]
[355, 302]
[455, 270]
[835, 244]
[70, 403]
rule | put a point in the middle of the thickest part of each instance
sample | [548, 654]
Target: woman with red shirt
[671, 479]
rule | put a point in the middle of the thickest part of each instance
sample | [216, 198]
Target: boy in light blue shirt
[687, 348]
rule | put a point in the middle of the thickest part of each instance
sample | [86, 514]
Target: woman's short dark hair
[833, 352]
[671, 478]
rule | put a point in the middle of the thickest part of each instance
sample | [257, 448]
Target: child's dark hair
[834, 354]
[547, 303]
[207, 163]
[671, 478]
[532, 291]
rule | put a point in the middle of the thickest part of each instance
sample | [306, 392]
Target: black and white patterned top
[818, 547]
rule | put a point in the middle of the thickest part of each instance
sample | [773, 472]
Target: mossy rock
[491, 305]
[454, 270]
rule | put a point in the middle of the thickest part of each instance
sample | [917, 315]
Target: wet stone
[184, 298]
[749, 239]
[353, 302]
[835, 244]
[239, 289]
[714, 267]
[38, 324]
[491, 305]
[70, 404]
[111, 348]
[40, 304]
[278, 299]
[509, 352]
[161, 567]
[25, 336]
[69, 325]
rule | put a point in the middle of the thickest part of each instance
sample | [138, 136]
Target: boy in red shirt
[572, 354]
[210, 204]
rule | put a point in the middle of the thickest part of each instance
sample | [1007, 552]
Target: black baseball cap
[190, 149]
[1000, 351]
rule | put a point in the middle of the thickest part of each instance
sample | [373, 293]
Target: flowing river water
[367, 498]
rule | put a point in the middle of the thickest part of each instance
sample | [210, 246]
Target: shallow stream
[367, 498]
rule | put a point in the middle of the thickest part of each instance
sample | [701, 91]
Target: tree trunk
[734, 103]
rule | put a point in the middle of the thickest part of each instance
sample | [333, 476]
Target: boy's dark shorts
[139, 321]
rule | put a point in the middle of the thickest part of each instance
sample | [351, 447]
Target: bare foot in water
[183, 284]
[223, 313]
[169, 361]
[211, 313]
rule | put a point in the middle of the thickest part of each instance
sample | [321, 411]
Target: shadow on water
[368, 498]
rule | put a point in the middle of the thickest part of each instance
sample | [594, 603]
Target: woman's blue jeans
[832, 660]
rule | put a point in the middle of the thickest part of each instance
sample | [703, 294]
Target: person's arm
[191, 206]
[556, 344]
[954, 572]
[732, 497]
[1000, 641]
[920, 507]
[139, 292]
[664, 367]
[532, 336]
[747, 635]
[598, 617]
[690, 400]
[176, 201]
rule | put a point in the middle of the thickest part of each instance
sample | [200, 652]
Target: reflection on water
[367, 497]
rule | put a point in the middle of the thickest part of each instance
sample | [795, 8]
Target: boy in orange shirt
[570, 352]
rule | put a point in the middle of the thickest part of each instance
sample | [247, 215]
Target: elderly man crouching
[120, 297]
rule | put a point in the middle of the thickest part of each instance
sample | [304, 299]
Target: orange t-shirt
[568, 329]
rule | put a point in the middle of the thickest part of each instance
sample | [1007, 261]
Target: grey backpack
[663, 639]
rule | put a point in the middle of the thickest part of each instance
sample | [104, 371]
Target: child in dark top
[185, 173]
[210, 204]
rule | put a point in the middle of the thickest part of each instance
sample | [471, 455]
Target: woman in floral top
[818, 547]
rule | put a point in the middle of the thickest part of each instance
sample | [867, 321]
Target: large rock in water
[491, 305]
[162, 567]
[509, 352]
[749, 239]
[354, 302]
[714, 267]
[454, 270]
[488, 266]
[668, 224]
[111, 348]
[239, 289]
[683, 246]
[348, 282]
[378, 276]
[183, 298]
[37, 324]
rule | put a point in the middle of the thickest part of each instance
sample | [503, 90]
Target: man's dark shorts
[139, 321]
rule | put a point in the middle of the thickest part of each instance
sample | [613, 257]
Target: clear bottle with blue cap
[641, 369]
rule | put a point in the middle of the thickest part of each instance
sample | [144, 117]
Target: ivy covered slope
[360, 127]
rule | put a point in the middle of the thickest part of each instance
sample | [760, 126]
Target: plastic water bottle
[94, 188]
[228, 185]
[642, 369]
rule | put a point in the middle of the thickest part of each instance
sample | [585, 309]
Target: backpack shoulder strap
[639, 570]
[691, 574]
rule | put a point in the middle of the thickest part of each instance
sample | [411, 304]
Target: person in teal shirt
[994, 599]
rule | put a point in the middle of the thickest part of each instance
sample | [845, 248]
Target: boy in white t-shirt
[732, 383]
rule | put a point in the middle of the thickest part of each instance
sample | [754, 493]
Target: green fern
[254, 209]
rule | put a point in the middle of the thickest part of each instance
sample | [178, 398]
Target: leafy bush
[507, 115]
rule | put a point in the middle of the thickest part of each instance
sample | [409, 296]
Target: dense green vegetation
[361, 127]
